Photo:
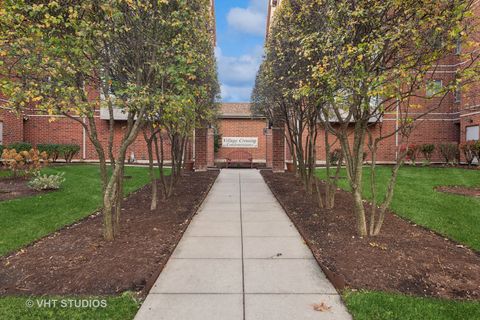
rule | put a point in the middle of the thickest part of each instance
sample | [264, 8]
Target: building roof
[236, 111]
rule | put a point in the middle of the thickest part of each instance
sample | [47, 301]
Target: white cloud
[237, 74]
[251, 20]
[236, 93]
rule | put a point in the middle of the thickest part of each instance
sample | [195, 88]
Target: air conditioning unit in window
[118, 114]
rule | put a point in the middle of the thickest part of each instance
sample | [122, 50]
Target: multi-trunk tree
[378, 55]
[363, 59]
[188, 93]
[282, 93]
[74, 58]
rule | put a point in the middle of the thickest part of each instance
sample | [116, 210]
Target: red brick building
[455, 119]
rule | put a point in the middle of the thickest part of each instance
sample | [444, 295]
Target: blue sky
[241, 28]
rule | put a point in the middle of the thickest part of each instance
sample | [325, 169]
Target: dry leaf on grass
[321, 307]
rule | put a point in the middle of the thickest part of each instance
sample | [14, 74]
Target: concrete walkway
[241, 258]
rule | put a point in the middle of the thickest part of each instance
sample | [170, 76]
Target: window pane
[473, 133]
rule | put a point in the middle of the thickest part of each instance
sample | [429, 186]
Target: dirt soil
[13, 188]
[405, 258]
[77, 260]
[463, 191]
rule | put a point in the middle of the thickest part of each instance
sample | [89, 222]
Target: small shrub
[53, 150]
[42, 182]
[336, 156]
[468, 149]
[476, 150]
[20, 146]
[26, 161]
[68, 151]
[217, 142]
[449, 152]
[427, 151]
[412, 153]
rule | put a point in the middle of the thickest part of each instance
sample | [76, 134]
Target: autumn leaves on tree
[152, 59]
[341, 66]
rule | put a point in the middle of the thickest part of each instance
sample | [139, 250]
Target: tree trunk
[153, 180]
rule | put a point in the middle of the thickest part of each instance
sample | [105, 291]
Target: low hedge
[53, 150]
[68, 151]
[20, 146]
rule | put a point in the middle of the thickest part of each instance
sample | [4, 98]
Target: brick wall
[252, 128]
[45, 129]
[201, 149]
[12, 127]
[278, 150]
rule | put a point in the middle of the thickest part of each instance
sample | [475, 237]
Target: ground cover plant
[417, 200]
[27, 219]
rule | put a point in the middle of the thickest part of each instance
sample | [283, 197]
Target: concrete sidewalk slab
[209, 248]
[190, 306]
[213, 229]
[293, 306]
[200, 276]
[275, 248]
[269, 229]
[241, 258]
[285, 276]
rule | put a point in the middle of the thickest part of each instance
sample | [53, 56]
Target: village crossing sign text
[239, 142]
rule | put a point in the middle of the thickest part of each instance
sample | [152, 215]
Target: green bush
[216, 142]
[427, 151]
[336, 156]
[53, 150]
[471, 151]
[68, 151]
[20, 146]
[449, 152]
[41, 182]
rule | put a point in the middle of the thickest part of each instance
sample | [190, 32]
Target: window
[473, 133]
[1, 133]
[434, 87]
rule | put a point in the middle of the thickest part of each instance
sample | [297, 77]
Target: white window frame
[467, 138]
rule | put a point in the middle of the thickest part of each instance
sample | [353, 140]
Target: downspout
[397, 118]
[84, 142]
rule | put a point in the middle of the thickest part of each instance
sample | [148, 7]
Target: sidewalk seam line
[241, 241]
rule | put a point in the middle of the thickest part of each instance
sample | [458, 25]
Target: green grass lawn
[389, 306]
[24, 220]
[4, 173]
[117, 308]
[415, 199]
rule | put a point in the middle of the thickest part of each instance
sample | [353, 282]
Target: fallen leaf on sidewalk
[321, 307]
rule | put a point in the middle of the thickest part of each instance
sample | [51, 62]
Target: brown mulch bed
[405, 258]
[13, 188]
[77, 260]
[460, 190]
